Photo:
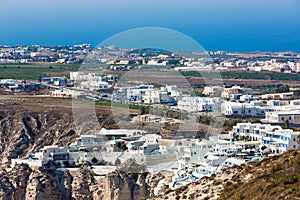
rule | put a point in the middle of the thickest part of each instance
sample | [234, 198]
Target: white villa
[94, 85]
[65, 93]
[198, 104]
[239, 109]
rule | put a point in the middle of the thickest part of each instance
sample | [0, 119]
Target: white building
[136, 94]
[172, 90]
[67, 93]
[241, 109]
[198, 104]
[292, 117]
[229, 90]
[94, 85]
[151, 97]
[286, 95]
[89, 76]
[247, 98]
[278, 140]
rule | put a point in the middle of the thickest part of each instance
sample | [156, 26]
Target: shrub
[276, 168]
[291, 180]
[66, 163]
[94, 160]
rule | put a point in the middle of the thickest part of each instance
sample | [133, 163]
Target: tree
[94, 160]
[297, 93]
[66, 163]
[117, 162]
[298, 140]
[284, 88]
[287, 123]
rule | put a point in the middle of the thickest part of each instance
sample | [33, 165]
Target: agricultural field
[32, 71]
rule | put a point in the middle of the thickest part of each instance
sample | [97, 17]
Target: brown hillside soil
[28, 124]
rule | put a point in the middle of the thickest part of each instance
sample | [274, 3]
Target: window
[294, 139]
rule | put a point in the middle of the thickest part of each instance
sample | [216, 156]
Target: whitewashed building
[198, 104]
[242, 109]
[278, 140]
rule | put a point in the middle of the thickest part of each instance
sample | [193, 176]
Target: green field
[245, 75]
[35, 70]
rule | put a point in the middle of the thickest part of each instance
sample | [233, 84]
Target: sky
[230, 25]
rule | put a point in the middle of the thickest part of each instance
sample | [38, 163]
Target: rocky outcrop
[13, 183]
[27, 131]
[47, 182]
[83, 183]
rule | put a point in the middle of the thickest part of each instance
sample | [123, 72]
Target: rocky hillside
[46, 182]
[276, 177]
[28, 124]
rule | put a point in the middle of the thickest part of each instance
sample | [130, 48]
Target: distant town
[283, 62]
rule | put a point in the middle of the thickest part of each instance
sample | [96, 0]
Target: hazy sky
[233, 25]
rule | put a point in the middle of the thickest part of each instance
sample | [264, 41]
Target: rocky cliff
[22, 182]
[28, 124]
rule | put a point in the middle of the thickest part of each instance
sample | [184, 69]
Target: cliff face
[26, 125]
[46, 182]
[26, 128]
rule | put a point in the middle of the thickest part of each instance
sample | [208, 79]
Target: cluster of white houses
[236, 101]
[191, 159]
[152, 150]
[147, 94]
[93, 81]
[277, 139]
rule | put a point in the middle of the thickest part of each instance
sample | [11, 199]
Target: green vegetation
[297, 93]
[284, 88]
[228, 122]
[273, 177]
[228, 189]
[94, 160]
[103, 103]
[66, 163]
[245, 75]
[291, 180]
[200, 94]
[143, 109]
[35, 70]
